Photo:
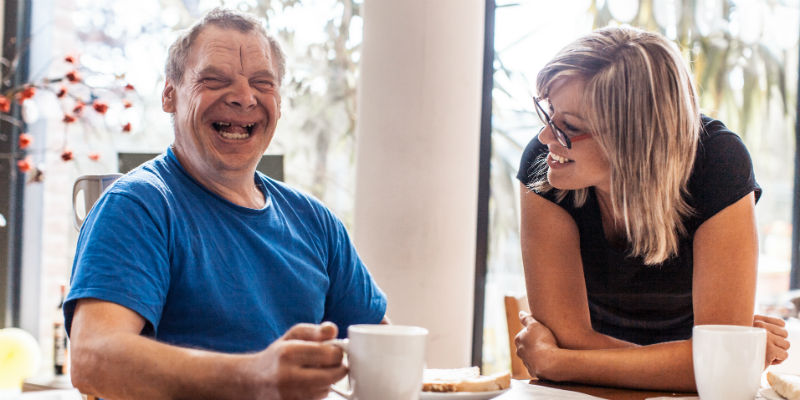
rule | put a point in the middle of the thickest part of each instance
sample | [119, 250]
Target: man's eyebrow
[211, 70]
[264, 73]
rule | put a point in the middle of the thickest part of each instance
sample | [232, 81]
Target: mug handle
[342, 344]
[77, 187]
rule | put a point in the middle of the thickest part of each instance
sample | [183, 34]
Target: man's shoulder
[295, 201]
[153, 178]
[288, 193]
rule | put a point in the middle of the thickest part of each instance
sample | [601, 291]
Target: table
[523, 390]
[59, 394]
[610, 392]
[49, 388]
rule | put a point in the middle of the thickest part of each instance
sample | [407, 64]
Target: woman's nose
[545, 135]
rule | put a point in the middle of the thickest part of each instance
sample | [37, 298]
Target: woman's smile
[556, 161]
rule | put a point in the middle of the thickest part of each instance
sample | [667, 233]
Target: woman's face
[583, 165]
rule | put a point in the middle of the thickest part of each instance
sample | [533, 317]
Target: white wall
[417, 164]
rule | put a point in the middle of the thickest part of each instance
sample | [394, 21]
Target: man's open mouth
[233, 131]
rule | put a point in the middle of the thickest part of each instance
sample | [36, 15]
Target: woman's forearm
[663, 366]
[589, 340]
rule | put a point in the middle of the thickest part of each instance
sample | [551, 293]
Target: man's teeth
[560, 159]
[227, 124]
[233, 135]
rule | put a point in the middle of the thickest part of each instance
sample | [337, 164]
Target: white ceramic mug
[385, 361]
[92, 187]
[728, 361]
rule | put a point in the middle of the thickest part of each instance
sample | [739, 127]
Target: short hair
[641, 103]
[226, 19]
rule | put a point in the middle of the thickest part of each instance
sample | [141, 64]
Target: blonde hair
[640, 102]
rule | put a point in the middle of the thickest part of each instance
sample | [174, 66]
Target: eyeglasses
[561, 137]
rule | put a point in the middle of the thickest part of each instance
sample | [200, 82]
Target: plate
[461, 395]
[768, 394]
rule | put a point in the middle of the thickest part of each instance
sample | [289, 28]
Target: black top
[649, 304]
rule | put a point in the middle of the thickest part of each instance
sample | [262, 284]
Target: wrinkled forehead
[231, 45]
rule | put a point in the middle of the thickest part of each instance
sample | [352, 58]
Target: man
[193, 272]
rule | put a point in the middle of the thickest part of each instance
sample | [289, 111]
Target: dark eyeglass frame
[561, 137]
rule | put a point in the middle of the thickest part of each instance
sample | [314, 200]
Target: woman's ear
[168, 97]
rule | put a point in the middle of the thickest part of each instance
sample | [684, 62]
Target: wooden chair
[514, 305]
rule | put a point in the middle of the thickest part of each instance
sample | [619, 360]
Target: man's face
[227, 105]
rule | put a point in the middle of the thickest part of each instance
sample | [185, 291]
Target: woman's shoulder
[721, 150]
[715, 138]
[723, 170]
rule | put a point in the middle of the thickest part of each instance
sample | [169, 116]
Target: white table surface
[62, 394]
[523, 391]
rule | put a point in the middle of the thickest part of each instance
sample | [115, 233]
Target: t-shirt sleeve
[725, 174]
[353, 296]
[121, 257]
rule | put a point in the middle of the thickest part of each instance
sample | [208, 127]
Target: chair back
[515, 304]
[91, 187]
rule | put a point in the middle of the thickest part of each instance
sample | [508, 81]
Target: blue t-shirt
[206, 273]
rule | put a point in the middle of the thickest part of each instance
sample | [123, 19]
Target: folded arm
[554, 274]
[110, 359]
[562, 345]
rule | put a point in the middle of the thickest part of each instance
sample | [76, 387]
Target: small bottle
[60, 340]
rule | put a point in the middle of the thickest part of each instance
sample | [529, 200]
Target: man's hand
[298, 365]
[536, 346]
[777, 345]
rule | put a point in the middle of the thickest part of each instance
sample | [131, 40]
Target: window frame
[16, 24]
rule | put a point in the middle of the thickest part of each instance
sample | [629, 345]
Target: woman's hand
[777, 345]
[537, 347]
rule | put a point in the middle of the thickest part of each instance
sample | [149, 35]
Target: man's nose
[241, 95]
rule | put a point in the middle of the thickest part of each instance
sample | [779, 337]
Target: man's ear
[168, 97]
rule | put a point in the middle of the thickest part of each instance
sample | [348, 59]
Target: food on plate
[463, 380]
[786, 385]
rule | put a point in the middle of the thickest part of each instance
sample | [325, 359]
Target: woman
[637, 219]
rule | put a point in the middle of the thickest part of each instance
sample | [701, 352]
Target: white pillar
[417, 164]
